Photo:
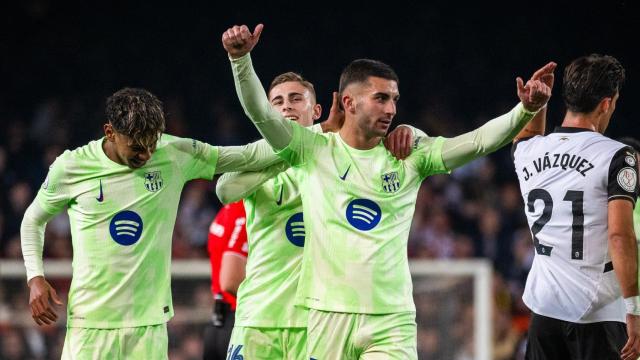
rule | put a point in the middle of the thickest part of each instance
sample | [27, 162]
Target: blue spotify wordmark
[363, 214]
[295, 229]
[126, 227]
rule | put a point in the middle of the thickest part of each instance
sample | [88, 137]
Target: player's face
[375, 105]
[295, 102]
[125, 150]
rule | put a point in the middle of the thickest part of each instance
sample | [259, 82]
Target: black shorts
[216, 339]
[550, 338]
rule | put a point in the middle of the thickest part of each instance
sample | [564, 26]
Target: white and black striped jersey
[567, 179]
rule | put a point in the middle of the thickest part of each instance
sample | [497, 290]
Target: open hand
[238, 40]
[41, 296]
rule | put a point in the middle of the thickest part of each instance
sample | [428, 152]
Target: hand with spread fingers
[537, 91]
[238, 40]
[42, 297]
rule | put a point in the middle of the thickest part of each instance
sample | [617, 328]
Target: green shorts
[268, 343]
[346, 336]
[144, 342]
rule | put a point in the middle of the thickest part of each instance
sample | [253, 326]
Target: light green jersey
[276, 238]
[121, 227]
[358, 207]
[636, 220]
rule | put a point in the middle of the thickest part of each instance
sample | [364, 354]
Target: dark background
[454, 58]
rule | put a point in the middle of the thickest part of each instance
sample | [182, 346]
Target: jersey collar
[568, 129]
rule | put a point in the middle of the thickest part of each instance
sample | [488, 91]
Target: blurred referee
[227, 247]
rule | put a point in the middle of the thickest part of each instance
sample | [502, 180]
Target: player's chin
[382, 128]
[134, 164]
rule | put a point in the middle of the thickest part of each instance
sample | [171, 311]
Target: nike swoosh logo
[101, 197]
[279, 201]
[345, 173]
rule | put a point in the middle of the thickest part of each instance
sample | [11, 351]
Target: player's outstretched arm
[239, 41]
[234, 186]
[255, 156]
[500, 131]
[42, 296]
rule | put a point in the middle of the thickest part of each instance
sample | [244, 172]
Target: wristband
[632, 304]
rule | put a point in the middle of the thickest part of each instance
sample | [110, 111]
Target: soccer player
[228, 251]
[579, 189]
[358, 201]
[122, 194]
[268, 324]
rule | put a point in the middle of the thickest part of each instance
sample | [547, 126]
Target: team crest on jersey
[153, 181]
[627, 179]
[390, 182]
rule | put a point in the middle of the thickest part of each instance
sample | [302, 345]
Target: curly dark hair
[589, 79]
[136, 113]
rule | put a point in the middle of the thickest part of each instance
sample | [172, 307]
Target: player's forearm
[32, 238]
[234, 186]
[534, 127]
[624, 255]
[486, 139]
[273, 127]
[251, 157]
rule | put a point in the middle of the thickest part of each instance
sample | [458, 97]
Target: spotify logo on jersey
[126, 227]
[295, 230]
[363, 214]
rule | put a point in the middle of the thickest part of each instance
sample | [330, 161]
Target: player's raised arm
[239, 41]
[498, 132]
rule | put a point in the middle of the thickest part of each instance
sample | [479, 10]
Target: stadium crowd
[477, 212]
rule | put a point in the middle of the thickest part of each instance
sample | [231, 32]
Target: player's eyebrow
[279, 97]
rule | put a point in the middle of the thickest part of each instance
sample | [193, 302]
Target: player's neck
[357, 138]
[110, 150]
[580, 120]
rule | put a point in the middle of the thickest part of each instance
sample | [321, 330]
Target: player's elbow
[224, 193]
[621, 241]
[229, 286]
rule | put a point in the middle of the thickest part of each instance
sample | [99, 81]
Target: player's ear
[605, 104]
[317, 111]
[348, 102]
[109, 133]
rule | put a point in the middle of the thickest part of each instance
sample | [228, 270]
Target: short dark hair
[136, 113]
[359, 71]
[292, 76]
[633, 142]
[589, 79]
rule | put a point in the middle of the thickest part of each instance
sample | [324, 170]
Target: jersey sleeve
[427, 155]
[301, 146]
[196, 159]
[53, 195]
[623, 175]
